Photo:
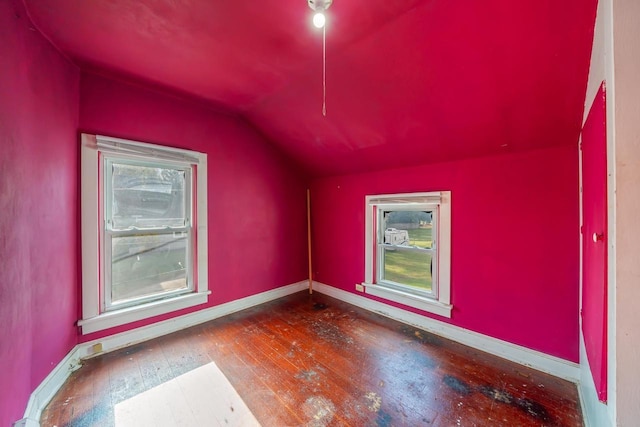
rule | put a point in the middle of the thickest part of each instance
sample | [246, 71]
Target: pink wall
[38, 209]
[515, 241]
[257, 219]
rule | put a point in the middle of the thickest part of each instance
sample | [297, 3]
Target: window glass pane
[147, 265]
[407, 267]
[147, 197]
[408, 228]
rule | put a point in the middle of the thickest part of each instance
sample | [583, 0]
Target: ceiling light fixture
[320, 21]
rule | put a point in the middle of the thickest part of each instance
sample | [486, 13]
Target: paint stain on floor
[331, 333]
[528, 406]
[534, 409]
[308, 375]
[495, 394]
[374, 401]
[457, 385]
[319, 411]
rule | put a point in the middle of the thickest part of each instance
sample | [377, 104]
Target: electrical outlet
[96, 348]
[359, 287]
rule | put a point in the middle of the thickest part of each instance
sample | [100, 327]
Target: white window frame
[96, 315]
[438, 301]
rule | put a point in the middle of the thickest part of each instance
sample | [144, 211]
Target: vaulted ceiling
[408, 81]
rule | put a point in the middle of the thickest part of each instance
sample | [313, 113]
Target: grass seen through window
[412, 268]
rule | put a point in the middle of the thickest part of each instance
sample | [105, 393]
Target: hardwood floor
[315, 361]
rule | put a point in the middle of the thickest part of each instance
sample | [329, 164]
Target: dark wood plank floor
[315, 361]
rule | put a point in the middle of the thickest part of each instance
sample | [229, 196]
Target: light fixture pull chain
[324, 71]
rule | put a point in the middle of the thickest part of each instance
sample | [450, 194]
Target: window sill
[405, 298]
[140, 312]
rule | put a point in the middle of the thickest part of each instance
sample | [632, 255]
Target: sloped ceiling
[408, 81]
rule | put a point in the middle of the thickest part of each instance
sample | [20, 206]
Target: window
[408, 249]
[144, 235]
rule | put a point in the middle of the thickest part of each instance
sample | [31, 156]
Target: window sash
[111, 159]
[108, 232]
[107, 295]
[382, 247]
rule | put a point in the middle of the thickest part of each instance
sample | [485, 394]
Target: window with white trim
[408, 249]
[144, 234]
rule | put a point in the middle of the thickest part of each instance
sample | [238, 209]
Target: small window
[143, 231]
[408, 249]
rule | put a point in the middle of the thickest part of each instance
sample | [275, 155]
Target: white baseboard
[50, 386]
[594, 412]
[515, 353]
